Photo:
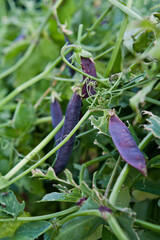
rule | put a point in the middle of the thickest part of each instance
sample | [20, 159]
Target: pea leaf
[149, 186]
[72, 196]
[31, 230]
[154, 123]
[10, 205]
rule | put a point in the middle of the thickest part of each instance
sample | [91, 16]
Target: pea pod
[89, 86]
[71, 119]
[126, 145]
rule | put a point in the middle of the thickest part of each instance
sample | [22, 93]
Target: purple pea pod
[71, 119]
[126, 145]
[88, 67]
[57, 116]
[68, 56]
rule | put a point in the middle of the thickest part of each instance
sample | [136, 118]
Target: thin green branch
[147, 225]
[112, 177]
[115, 227]
[44, 217]
[103, 53]
[126, 9]
[118, 42]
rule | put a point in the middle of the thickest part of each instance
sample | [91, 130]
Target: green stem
[37, 218]
[48, 154]
[80, 30]
[125, 9]
[118, 184]
[85, 165]
[147, 225]
[118, 42]
[104, 53]
[151, 100]
[85, 133]
[145, 141]
[34, 151]
[43, 120]
[115, 227]
[112, 177]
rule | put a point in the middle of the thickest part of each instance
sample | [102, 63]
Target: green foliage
[10, 205]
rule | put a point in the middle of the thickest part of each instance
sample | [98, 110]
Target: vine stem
[43, 217]
[118, 42]
[126, 9]
[32, 45]
[20, 165]
[147, 225]
[125, 171]
[34, 151]
[112, 177]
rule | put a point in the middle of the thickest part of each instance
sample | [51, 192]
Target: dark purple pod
[57, 116]
[88, 67]
[71, 119]
[126, 145]
[68, 56]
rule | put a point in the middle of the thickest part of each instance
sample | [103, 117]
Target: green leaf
[123, 198]
[3, 182]
[139, 97]
[24, 117]
[83, 227]
[69, 178]
[154, 123]
[148, 186]
[31, 230]
[10, 205]
[107, 234]
[72, 196]
[127, 223]
[79, 228]
[7, 229]
[148, 235]
[100, 123]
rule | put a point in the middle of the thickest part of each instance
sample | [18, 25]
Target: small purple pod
[126, 145]
[57, 116]
[88, 67]
[71, 119]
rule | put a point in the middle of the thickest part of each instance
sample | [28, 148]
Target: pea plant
[79, 120]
